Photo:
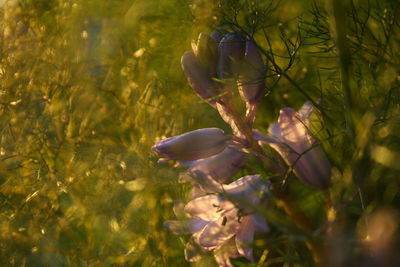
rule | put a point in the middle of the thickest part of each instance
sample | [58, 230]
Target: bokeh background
[87, 87]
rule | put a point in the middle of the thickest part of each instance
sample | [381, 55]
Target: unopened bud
[206, 52]
[198, 144]
[252, 75]
[199, 79]
[231, 52]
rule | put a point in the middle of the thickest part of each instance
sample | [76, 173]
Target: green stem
[339, 18]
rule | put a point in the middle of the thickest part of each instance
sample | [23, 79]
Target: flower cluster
[222, 215]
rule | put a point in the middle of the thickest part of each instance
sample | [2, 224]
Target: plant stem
[298, 216]
[339, 19]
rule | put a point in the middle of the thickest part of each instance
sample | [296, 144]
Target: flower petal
[305, 112]
[225, 114]
[206, 53]
[196, 224]
[206, 182]
[259, 136]
[216, 233]
[252, 74]
[179, 209]
[193, 145]
[192, 251]
[231, 51]
[259, 222]
[293, 129]
[245, 237]
[275, 131]
[244, 185]
[207, 207]
[199, 78]
[197, 192]
[226, 251]
[222, 167]
[314, 168]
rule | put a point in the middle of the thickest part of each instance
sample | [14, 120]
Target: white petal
[197, 192]
[206, 182]
[226, 116]
[228, 250]
[216, 233]
[243, 183]
[259, 136]
[223, 166]
[275, 130]
[206, 207]
[305, 112]
[245, 237]
[292, 128]
[223, 260]
[196, 224]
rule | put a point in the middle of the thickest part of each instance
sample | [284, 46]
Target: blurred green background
[87, 87]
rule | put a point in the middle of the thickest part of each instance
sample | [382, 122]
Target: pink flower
[251, 82]
[292, 139]
[224, 222]
[194, 145]
[199, 78]
[221, 167]
[231, 51]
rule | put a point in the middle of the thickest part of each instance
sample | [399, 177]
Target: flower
[199, 79]
[292, 139]
[251, 81]
[206, 51]
[220, 63]
[194, 145]
[221, 167]
[231, 51]
[223, 222]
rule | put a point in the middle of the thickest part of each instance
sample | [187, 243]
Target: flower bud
[198, 144]
[218, 34]
[206, 52]
[252, 75]
[231, 51]
[251, 82]
[199, 78]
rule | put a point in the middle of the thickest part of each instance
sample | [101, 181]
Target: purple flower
[194, 145]
[224, 223]
[199, 78]
[231, 51]
[206, 52]
[252, 79]
[294, 142]
[221, 167]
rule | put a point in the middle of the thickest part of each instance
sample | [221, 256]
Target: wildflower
[199, 78]
[231, 51]
[221, 167]
[291, 138]
[206, 52]
[251, 79]
[198, 144]
[224, 222]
